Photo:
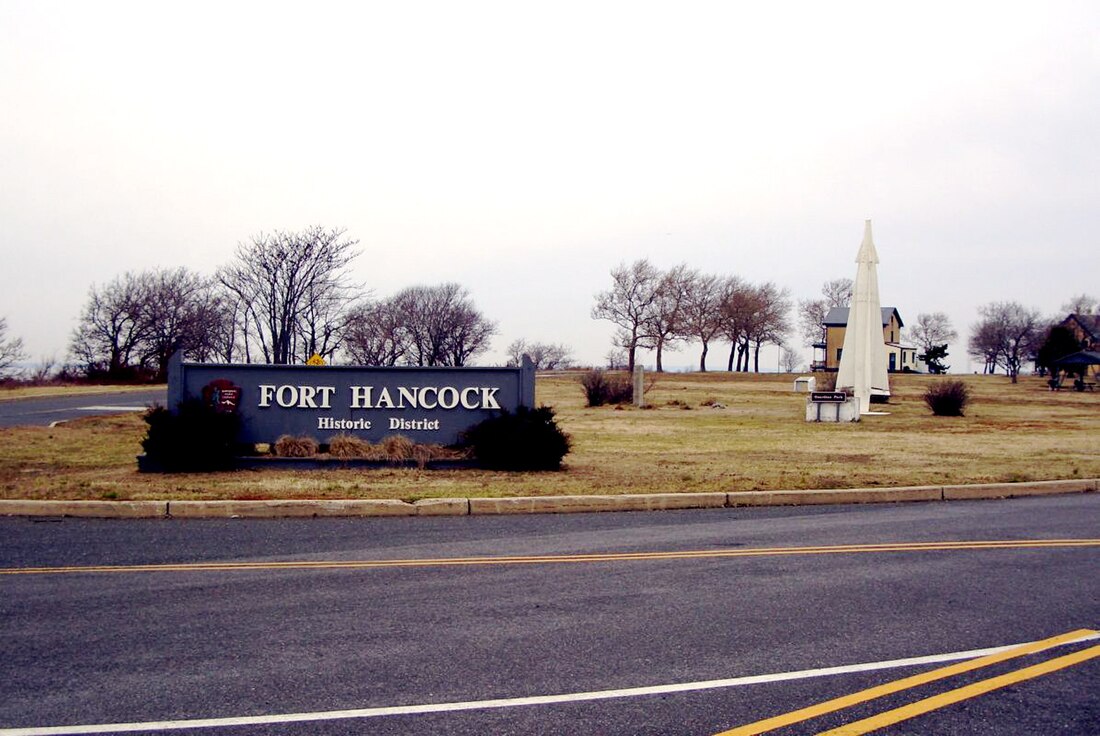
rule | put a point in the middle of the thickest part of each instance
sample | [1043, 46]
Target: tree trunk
[703, 359]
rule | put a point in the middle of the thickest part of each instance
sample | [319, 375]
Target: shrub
[601, 388]
[947, 398]
[194, 438]
[289, 446]
[529, 439]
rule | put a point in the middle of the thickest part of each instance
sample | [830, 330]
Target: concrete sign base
[832, 411]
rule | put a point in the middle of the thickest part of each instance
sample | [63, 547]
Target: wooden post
[639, 386]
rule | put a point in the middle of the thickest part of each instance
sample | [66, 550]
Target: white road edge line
[401, 710]
[111, 408]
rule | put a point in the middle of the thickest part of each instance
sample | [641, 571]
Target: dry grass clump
[397, 448]
[289, 446]
[393, 449]
[421, 454]
[346, 446]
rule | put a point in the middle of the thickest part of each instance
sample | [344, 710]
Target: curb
[308, 508]
[581, 504]
[85, 509]
[841, 496]
[532, 504]
[1014, 490]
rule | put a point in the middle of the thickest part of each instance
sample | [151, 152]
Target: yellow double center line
[926, 705]
[561, 559]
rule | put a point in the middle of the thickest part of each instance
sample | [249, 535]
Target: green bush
[529, 439]
[194, 438]
[601, 388]
[947, 398]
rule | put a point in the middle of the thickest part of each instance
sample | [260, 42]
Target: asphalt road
[296, 634]
[43, 411]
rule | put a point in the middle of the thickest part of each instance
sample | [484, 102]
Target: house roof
[838, 316]
[1085, 357]
[1090, 323]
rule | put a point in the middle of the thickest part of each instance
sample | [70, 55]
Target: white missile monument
[863, 361]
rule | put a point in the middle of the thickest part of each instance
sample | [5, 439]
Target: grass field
[757, 440]
[29, 392]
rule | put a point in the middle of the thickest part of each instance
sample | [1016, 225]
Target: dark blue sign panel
[427, 405]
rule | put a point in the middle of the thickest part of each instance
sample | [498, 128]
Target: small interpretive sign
[829, 397]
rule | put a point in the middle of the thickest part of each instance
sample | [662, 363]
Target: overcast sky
[525, 149]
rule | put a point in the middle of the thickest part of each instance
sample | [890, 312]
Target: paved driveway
[45, 410]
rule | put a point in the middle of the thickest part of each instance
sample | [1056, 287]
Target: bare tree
[11, 351]
[441, 324]
[931, 330]
[111, 327]
[545, 356]
[768, 324]
[320, 330]
[932, 333]
[665, 325]
[131, 326]
[293, 290]
[837, 292]
[1081, 304]
[376, 334]
[628, 305]
[1006, 335]
[984, 345]
[177, 312]
[471, 334]
[811, 321]
[223, 328]
[812, 312]
[736, 313]
[703, 313]
[44, 371]
[753, 316]
[789, 360]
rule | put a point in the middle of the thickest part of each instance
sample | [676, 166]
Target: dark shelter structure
[1081, 365]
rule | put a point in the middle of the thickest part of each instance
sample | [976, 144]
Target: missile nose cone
[867, 252]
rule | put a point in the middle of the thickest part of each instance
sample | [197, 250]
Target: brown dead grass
[756, 441]
[291, 446]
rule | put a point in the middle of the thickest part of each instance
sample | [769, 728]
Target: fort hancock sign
[429, 405]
